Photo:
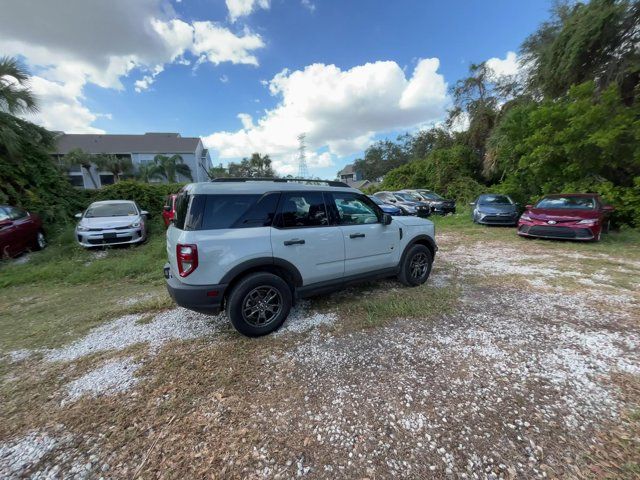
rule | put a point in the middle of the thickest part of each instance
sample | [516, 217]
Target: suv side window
[302, 209]
[355, 209]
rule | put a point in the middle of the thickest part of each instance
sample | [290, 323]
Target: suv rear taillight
[187, 256]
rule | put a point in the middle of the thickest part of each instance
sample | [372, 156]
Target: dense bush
[149, 197]
[28, 177]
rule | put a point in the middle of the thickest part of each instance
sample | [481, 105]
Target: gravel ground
[516, 383]
[113, 377]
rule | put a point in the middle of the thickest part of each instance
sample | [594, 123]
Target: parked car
[494, 209]
[386, 207]
[169, 209]
[574, 216]
[20, 231]
[408, 206]
[438, 204]
[111, 222]
[255, 247]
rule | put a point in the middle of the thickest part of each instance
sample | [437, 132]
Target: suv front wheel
[259, 304]
[416, 266]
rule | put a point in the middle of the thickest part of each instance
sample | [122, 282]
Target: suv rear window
[214, 212]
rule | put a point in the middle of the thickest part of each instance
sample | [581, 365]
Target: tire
[41, 241]
[411, 274]
[252, 319]
[606, 227]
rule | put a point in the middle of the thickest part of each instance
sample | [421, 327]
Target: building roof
[147, 143]
[359, 183]
[347, 170]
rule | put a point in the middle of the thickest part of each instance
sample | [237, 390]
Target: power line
[303, 171]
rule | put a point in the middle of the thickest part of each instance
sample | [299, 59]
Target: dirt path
[539, 356]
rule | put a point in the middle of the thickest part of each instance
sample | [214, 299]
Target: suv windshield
[577, 203]
[495, 200]
[111, 210]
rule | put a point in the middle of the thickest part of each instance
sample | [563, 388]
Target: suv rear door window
[303, 209]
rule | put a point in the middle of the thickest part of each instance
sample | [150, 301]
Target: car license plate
[110, 236]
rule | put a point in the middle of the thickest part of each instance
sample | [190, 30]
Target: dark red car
[19, 231]
[169, 209]
[573, 216]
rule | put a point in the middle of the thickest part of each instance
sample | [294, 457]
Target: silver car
[111, 222]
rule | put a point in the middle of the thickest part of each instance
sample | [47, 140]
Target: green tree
[146, 172]
[596, 41]
[218, 172]
[255, 166]
[117, 165]
[383, 156]
[169, 167]
[79, 157]
[15, 95]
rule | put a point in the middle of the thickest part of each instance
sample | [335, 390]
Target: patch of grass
[65, 262]
[37, 316]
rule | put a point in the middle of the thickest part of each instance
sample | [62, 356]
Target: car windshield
[376, 200]
[407, 197]
[111, 210]
[431, 196]
[495, 200]
[574, 203]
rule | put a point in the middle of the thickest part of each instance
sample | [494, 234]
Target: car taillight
[187, 256]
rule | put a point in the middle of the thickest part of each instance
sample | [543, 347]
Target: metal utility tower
[303, 171]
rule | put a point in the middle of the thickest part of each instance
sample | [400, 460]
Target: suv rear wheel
[416, 266]
[259, 304]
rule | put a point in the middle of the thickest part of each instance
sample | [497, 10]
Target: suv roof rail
[331, 183]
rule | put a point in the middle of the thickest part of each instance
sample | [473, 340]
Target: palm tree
[146, 172]
[169, 167]
[78, 157]
[113, 164]
[15, 95]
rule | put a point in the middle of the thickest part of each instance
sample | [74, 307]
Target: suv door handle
[295, 241]
[356, 235]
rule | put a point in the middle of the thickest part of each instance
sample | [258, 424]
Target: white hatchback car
[111, 222]
[255, 246]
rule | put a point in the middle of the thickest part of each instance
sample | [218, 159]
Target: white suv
[255, 246]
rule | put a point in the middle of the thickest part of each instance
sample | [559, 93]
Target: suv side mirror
[78, 215]
[386, 219]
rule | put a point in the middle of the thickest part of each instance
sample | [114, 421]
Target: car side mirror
[472, 204]
[78, 215]
[386, 219]
[145, 213]
[167, 208]
[528, 207]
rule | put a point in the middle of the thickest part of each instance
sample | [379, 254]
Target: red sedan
[572, 216]
[169, 209]
[19, 231]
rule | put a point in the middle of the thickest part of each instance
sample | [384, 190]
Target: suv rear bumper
[199, 298]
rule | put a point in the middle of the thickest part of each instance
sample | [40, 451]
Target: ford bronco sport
[254, 246]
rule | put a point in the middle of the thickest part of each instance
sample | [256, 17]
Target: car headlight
[82, 228]
[135, 224]
[526, 217]
[588, 221]
[410, 209]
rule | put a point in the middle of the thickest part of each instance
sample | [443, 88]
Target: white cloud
[308, 5]
[508, 66]
[224, 79]
[338, 109]
[241, 8]
[91, 41]
[217, 44]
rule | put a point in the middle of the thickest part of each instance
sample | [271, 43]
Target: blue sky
[364, 86]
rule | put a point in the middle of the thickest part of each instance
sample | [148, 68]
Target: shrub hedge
[148, 196]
